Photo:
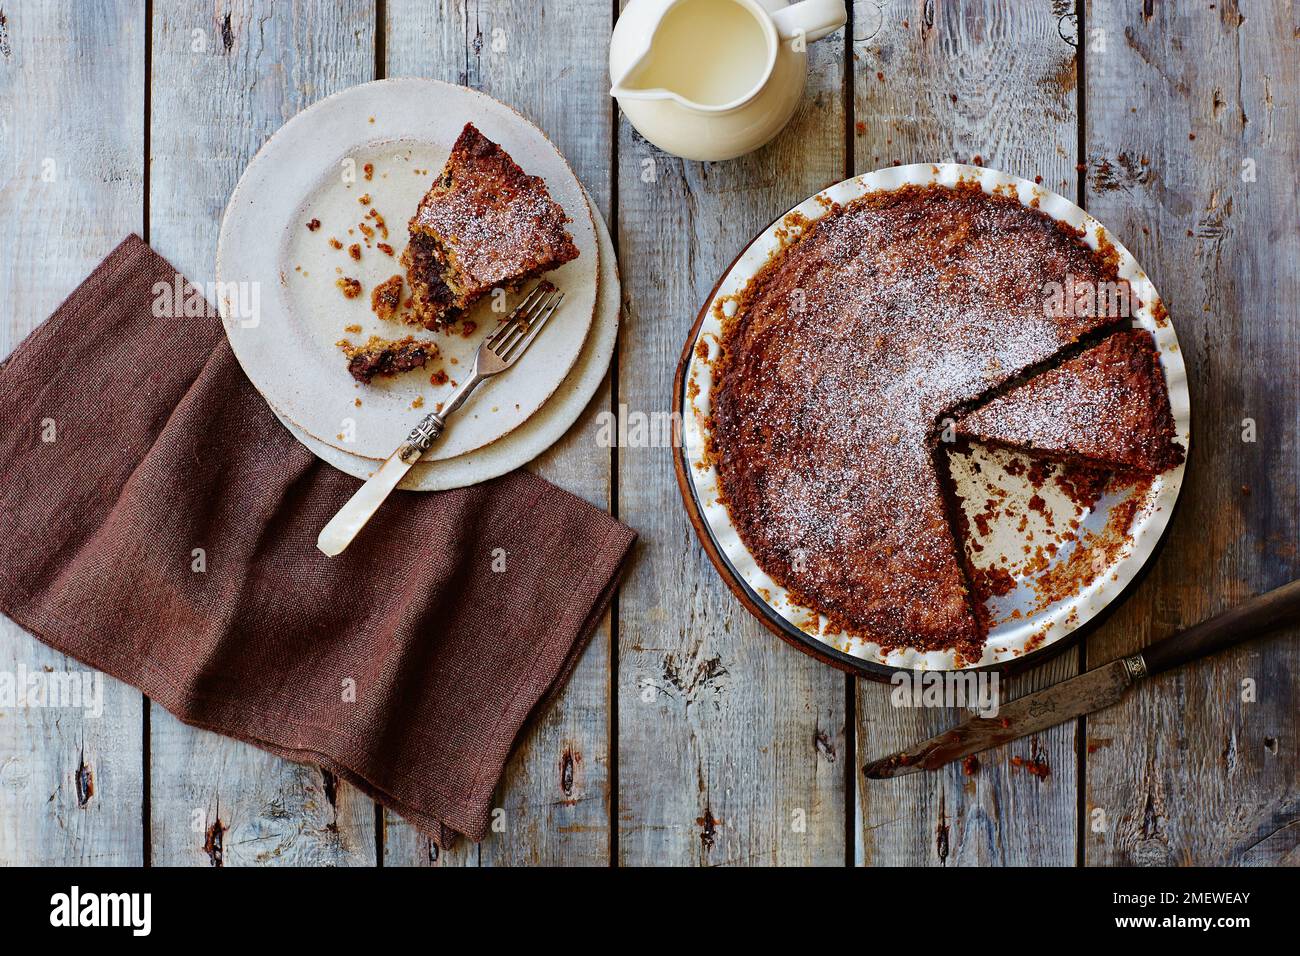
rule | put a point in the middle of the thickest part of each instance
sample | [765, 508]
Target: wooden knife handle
[1251, 619]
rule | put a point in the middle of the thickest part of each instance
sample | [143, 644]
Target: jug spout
[630, 91]
[625, 92]
[635, 83]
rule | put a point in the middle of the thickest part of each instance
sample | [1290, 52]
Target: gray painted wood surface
[995, 84]
[1192, 152]
[731, 744]
[71, 784]
[215, 800]
[553, 805]
[688, 734]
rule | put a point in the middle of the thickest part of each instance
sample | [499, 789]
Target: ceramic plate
[1033, 616]
[534, 436]
[399, 132]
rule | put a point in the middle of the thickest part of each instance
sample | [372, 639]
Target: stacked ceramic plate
[326, 199]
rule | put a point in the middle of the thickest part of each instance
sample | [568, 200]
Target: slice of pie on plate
[484, 224]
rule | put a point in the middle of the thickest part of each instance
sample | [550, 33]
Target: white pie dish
[1024, 623]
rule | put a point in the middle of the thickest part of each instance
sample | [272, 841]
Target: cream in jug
[711, 52]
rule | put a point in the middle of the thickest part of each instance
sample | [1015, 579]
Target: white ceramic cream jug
[714, 79]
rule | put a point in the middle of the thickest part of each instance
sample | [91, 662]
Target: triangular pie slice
[484, 224]
[1107, 406]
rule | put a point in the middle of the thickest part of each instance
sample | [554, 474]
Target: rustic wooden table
[688, 734]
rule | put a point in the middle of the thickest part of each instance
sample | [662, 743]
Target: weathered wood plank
[995, 83]
[425, 39]
[223, 81]
[546, 60]
[72, 153]
[1193, 133]
[731, 743]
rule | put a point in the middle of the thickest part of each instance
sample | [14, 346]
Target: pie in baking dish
[854, 350]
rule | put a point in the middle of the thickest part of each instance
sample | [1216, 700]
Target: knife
[1095, 690]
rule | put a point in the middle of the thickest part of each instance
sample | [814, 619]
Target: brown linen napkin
[406, 665]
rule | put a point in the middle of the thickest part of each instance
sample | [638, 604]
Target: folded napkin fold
[158, 523]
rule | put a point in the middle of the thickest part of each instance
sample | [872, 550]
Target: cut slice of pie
[484, 224]
[1108, 406]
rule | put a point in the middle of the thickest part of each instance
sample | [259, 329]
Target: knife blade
[1025, 715]
[1097, 689]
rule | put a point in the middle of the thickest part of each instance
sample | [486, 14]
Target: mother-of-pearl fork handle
[361, 507]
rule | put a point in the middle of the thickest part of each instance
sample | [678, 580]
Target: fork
[499, 351]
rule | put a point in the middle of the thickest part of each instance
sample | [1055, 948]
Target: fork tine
[511, 321]
[519, 328]
[517, 348]
[522, 321]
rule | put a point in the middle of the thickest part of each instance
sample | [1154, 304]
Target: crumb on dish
[384, 358]
[386, 299]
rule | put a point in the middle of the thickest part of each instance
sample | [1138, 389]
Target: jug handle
[813, 19]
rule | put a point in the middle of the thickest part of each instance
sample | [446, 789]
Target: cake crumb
[380, 357]
[1035, 766]
[387, 297]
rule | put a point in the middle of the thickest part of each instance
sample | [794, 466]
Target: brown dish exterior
[848, 353]
[484, 224]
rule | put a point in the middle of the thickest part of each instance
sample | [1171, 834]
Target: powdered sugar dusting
[846, 352]
[497, 222]
[1109, 404]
